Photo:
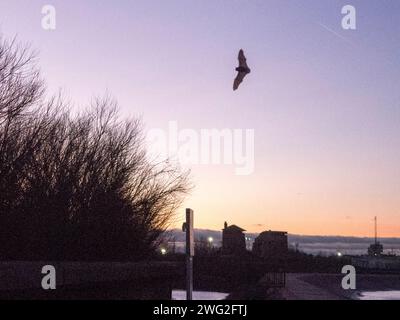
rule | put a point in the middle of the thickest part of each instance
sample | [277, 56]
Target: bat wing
[238, 80]
[242, 59]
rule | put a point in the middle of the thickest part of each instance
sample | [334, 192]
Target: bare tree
[75, 187]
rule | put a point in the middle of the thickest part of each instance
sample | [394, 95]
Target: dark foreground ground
[147, 281]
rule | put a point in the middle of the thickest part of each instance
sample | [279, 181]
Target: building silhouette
[233, 240]
[271, 245]
[375, 249]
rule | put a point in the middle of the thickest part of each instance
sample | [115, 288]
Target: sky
[324, 102]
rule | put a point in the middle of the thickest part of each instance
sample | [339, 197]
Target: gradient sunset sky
[324, 102]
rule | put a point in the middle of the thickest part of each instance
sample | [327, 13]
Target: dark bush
[75, 186]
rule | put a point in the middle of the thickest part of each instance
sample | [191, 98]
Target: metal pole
[189, 278]
[189, 253]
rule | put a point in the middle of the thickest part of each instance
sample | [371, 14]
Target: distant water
[380, 295]
[199, 295]
[319, 248]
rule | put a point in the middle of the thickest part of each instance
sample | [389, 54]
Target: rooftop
[234, 227]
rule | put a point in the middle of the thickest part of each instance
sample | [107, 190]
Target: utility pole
[376, 231]
[188, 228]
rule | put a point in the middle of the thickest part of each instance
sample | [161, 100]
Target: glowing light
[339, 254]
[210, 239]
[163, 251]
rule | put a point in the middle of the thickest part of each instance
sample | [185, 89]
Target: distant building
[271, 245]
[375, 249]
[376, 260]
[233, 239]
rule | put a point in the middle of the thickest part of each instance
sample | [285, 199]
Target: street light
[163, 251]
[210, 242]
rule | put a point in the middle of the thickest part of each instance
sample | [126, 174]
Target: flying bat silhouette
[243, 70]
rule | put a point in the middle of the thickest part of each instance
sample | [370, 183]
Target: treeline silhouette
[75, 186]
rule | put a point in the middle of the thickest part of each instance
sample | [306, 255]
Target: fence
[275, 279]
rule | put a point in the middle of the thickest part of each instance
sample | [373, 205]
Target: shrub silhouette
[75, 186]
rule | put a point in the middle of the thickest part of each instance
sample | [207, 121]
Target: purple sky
[324, 106]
